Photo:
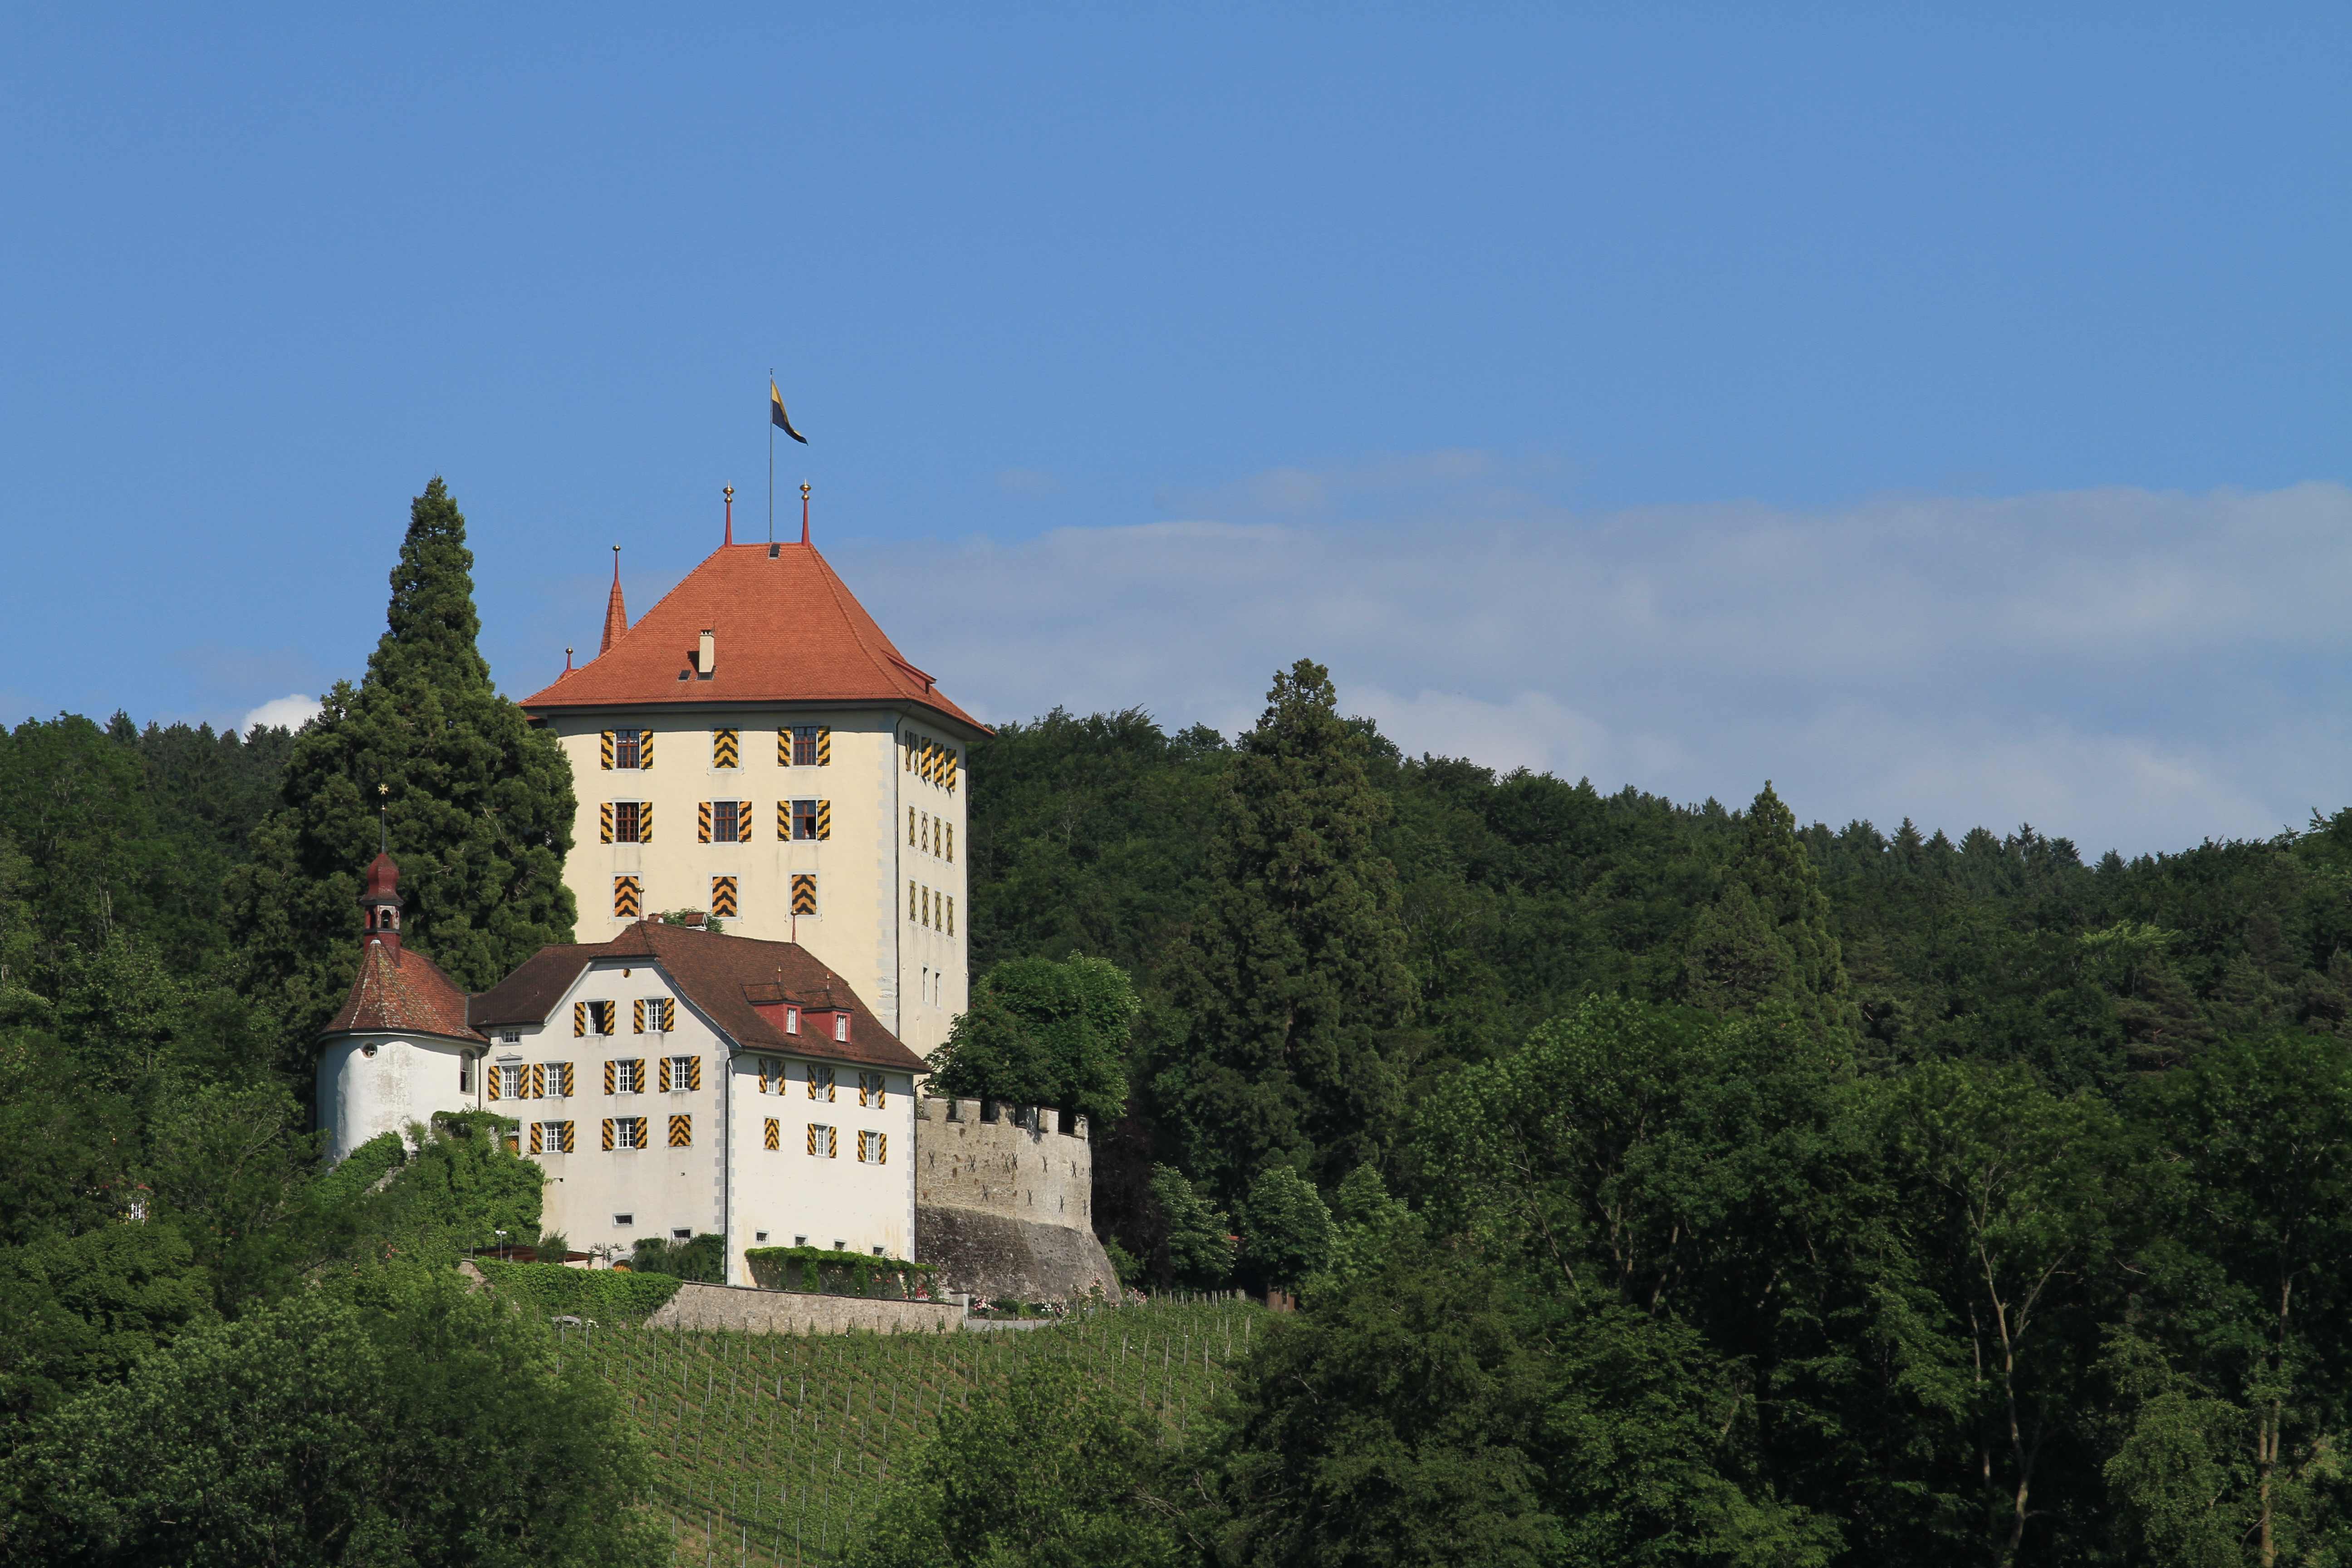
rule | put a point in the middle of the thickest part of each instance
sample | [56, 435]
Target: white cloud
[291, 712]
[2127, 669]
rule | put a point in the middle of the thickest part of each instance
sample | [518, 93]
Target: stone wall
[1006, 1207]
[745, 1311]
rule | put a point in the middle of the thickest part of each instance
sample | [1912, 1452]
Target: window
[910, 898]
[628, 898]
[604, 1017]
[811, 745]
[723, 900]
[724, 822]
[952, 914]
[726, 747]
[550, 1136]
[681, 1130]
[774, 1139]
[872, 1091]
[820, 1082]
[624, 1219]
[624, 1132]
[803, 892]
[630, 819]
[762, 1236]
[873, 1148]
[951, 850]
[558, 1080]
[821, 1141]
[772, 1072]
[800, 1241]
[791, 1022]
[656, 1013]
[626, 1077]
[681, 1073]
[804, 820]
[681, 1234]
[910, 827]
[511, 1080]
[629, 748]
[465, 1074]
[926, 832]
[841, 1027]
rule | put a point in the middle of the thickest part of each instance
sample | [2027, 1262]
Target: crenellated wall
[1007, 1207]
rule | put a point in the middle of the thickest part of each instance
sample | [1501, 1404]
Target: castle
[754, 756]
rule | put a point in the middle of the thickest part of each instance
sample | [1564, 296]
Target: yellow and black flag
[777, 417]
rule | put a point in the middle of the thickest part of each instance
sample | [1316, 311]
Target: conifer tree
[1292, 974]
[477, 804]
[1766, 936]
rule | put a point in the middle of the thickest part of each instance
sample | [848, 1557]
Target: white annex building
[753, 754]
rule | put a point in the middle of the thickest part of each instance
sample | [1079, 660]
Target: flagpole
[772, 464]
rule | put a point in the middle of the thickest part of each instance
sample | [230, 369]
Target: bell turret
[380, 904]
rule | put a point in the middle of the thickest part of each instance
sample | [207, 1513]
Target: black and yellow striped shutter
[637, 1027]
[881, 1147]
[825, 819]
[824, 745]
[578, 1020]
[490, 1075]
[645, 748]
[784, 820]
[703, 822]
[694, 1072]
[743, 821]
[535, 1139]
[812, 1137]
[722, 897]
[605, 822]
[538, 1089]
[608, 1133]
[612, 1072]
[804, 893]
[726, 747]
[950, 771]
[567, 1137]
[681, 1131]
[775, 1137]
[645, 822]
[785, 748]
[608, 749]
[627, 897]
[568, 1080]
[664, 1075]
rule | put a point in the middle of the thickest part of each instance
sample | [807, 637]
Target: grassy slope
[767, 1449]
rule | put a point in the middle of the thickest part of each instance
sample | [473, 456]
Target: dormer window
[791, 1020]
[841, 1026]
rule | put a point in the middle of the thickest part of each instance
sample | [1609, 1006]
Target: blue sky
[1940, 413]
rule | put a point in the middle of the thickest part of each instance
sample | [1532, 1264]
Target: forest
[1656, 1182]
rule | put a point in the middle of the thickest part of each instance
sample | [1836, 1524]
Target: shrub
[822, 1270]
[605, 1295]
[704, 1258]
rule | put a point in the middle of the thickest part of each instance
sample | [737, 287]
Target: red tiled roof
[735, 981]
[785, 629]
[403, 992]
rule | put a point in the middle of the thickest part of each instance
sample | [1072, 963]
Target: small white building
[670, 1082]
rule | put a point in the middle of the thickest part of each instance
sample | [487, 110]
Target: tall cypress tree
[1766, 936]
[1292, 974]
[477, 803]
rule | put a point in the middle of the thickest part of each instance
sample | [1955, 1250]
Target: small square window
[619, 1219]
[877, 1252]
[759, 1235]
[681, 1233]
[800, 1241]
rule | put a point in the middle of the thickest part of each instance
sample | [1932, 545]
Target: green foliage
[477, 803]
[838, 1272]
[1041, 1033]
[396, 1420]
[1284, 1228]
[1050, 1470]
[608, 1296]
[1195, 1247]
[457, 1191]
[1292, 973]
[703, 1259]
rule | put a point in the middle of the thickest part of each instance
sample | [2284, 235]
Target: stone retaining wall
[749, 1311]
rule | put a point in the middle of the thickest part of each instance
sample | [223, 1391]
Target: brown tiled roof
[785, 629]
[729, 979]
[400, 991]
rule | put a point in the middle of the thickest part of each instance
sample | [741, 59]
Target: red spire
[382, 902]
[730, 515]
[616, 615]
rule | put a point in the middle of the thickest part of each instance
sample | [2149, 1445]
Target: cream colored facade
[713, 1171]
[891, 898]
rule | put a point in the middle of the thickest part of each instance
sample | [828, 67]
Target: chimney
[706, 659]
[380, 905]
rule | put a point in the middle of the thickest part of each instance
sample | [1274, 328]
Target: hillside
[772, 1448]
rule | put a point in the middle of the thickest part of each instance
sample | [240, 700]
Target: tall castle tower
[755, 749]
